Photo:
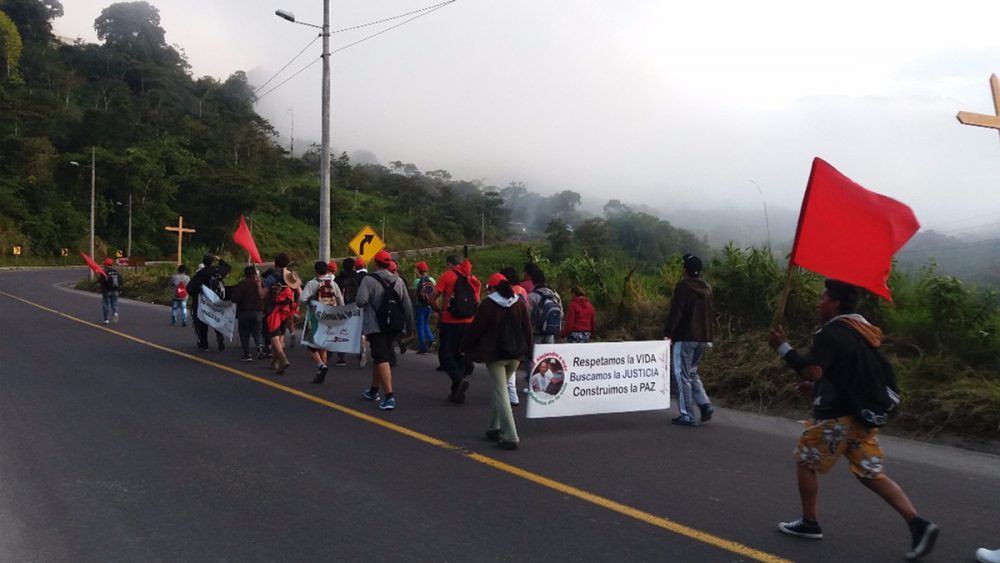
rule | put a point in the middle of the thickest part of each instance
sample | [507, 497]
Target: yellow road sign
[119, 254]
[17, 250]
[63, 252]
[366, 243]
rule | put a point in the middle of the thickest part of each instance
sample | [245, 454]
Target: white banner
[573, 379]
[216, 313]
[337, 329]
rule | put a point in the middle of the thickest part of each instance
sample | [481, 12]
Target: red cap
[495, 280]
[359, 262]
[383, 257]
[108, 262]
[332, 266]
[392, 266]
[421, 266]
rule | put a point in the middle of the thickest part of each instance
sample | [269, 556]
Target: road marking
[651, 519]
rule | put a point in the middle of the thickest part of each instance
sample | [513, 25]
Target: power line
[390, 28]
[282, 83]
[434, 7]
[282, 69]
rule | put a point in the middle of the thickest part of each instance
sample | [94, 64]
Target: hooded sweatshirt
[692, 314]
[446, 287]
[479, 342]
[371, 293]
[580, 317]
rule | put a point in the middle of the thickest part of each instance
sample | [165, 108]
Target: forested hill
[180, 145]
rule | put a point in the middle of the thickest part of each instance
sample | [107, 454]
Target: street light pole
[93, 183]
[128, 249]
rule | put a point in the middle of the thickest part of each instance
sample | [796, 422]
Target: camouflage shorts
[824, 441]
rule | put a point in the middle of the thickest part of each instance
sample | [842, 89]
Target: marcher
[423, 288]
[375, 299]
[528, 280]
[111, 285]
[498, 336]
[546, 309]
[690, 328]
[581, 320]
[522, 297]
[984, 555]
[249, 300]
[835, 359]
[322, 289]
[178, 295]
[281, 319]
[211, 276]
[348, 281]
[459, 291]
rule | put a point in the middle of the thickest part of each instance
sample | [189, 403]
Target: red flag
[243, 238]
[849, 233]
[93, 265]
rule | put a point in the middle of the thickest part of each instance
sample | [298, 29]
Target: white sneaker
[107, 322]
[114, 318]
[984, 555]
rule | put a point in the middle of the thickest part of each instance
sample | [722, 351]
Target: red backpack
[181, 291]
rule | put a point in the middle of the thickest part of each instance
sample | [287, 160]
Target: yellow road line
[651, 519]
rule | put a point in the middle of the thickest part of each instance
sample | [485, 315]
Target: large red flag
[93, 265]
[243, 238]
[849, 233]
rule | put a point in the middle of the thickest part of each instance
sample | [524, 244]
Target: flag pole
[779, 313]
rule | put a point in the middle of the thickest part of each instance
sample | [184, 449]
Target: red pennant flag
[849, 233]
[243, 238]
[93, 265]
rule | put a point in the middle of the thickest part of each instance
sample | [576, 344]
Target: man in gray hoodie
[690, 325]
[370, 297]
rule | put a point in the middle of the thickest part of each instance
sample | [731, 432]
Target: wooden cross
[180, 230]
[984, 120]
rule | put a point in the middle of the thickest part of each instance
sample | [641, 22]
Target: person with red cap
[423, 288]
[111, 285]
[387, 310]
[498, 336]
[459, 290]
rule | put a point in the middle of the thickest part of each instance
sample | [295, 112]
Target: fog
[684, 109]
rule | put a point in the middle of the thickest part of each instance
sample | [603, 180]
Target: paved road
[124, 444]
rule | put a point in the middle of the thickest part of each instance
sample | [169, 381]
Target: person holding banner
[834, 362]
[498, 336]
[690, 325]
[208, 275]
[321, 289]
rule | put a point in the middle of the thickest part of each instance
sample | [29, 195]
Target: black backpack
[391, 314]
[871, 391]
[114, 279]
[511, 342]
[462, 304]
[547, 314]
[217, 283]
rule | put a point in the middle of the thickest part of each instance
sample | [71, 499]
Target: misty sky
[671, 105]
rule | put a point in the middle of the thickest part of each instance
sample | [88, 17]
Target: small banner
[574, 379]
[216, 313]
[337, 329]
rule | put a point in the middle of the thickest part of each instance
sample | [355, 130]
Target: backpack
[181, 292]
[547, 315]
[511, 342]
[425, 288]
[325, 293]
[348, 286]
[114, 280]
[390, 313]
[872, 391]
[462, 304]
[217, 284]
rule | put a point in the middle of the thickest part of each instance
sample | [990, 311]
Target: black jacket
[692, 313]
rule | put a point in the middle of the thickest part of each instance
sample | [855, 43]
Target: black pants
[455, 364]
[201, 330]
[249, 323]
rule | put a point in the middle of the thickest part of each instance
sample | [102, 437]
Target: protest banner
[216, 313]
[575, 379]
[337, 329]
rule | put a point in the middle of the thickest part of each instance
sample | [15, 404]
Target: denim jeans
[109, 304]
[424, 335]
[182, 306]
[690, 392]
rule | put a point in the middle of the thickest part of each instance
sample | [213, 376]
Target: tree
[593, 236]
[560, 238]
[10, 48]
[134, 27]
[33, 18]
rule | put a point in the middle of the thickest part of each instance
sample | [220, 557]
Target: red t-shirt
[446, 286]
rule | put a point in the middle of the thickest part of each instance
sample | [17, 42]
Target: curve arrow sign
[361, 247]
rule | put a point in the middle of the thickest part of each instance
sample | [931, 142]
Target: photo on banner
[606, 377]
[333, 328]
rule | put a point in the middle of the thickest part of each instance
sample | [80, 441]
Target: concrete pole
[324, 159]
[128, 251]
[93, 183]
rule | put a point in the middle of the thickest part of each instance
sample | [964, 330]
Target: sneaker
[684, 421]
[924, 535]
[460, 393]
[320, 374]
[802, 529]
[706, 412]
[369, 396]
[172, 322]
[984, 555]
[114, 318]
[184, 324]
[387, 404]
[493, 435]
[505, 445]
[246, 358]
[107, 322]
